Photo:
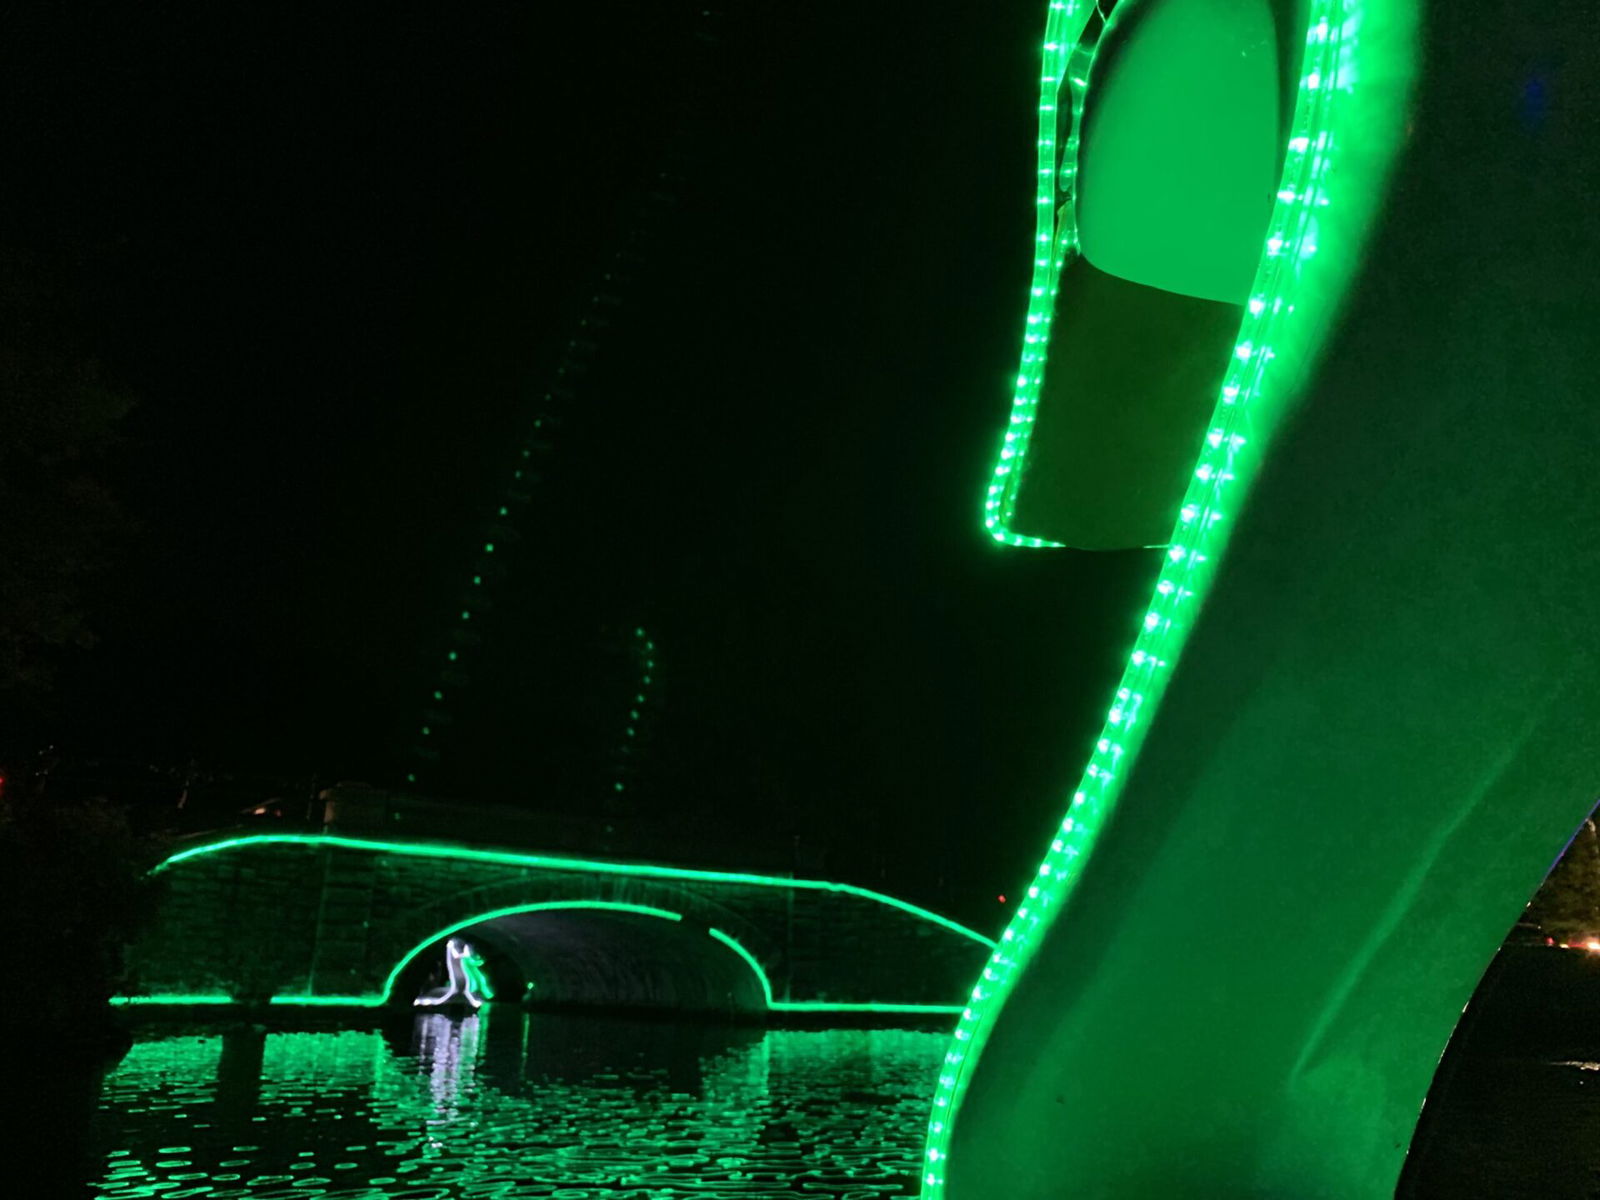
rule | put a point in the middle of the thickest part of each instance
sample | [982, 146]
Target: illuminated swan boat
[1283, 253]
[466, 986]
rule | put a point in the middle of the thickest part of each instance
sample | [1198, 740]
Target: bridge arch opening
[594, 954]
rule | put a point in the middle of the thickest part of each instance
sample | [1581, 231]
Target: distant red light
[1001, 898]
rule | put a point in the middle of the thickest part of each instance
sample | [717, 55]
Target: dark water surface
[1514, 1129]
[518, 1105]
[513, 1105]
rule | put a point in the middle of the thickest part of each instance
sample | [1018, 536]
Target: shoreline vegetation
[75, 892]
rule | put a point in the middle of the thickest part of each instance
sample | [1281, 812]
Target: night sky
[336, 255]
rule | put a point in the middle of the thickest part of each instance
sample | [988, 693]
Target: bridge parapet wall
[317, 918]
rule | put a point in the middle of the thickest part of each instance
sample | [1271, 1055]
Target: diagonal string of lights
[626, 764]
[1340, 145]
[552, 410]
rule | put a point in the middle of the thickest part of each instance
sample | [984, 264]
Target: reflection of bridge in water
[324, 919]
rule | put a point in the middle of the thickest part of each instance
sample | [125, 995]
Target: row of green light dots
[503, 512]
[1055, 237]
[454, 656]
[646, 649]
[1199, 536]
[578, 346]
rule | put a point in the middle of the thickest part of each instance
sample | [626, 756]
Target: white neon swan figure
[466, 981]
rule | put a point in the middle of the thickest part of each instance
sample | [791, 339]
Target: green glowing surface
[1178, 158]
[1340, 143]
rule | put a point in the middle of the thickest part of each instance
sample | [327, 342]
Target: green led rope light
[1055, 235]
[1294, 294]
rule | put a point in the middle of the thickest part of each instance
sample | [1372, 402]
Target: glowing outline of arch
[803, 1006]
[559, 863]
[1340, 50]
[555, 862]
[387, 991]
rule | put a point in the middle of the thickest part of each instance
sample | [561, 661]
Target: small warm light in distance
[1592, 945]
[1001, 897]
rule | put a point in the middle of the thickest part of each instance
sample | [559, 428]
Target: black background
[334, 252]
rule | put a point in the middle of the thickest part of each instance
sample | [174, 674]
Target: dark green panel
[1133, 378]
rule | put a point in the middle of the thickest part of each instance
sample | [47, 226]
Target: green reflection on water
[522, 1106]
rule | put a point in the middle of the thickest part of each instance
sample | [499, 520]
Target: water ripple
[514, 1107]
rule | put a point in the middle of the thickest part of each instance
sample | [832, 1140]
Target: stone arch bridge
[321, 919]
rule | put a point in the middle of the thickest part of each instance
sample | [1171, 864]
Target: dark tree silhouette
[61, 521]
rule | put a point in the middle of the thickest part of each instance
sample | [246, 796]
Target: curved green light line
[823, 1006]
[559, 863]
[180, 999]
[511, 911]
[378, 999]
[750, 960]
[829, 1006]
[1341, 146]
[1055, 235]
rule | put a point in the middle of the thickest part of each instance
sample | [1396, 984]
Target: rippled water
[513, 1105]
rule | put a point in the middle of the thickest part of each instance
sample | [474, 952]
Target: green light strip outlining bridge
[333, 921]
[1343, 756]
